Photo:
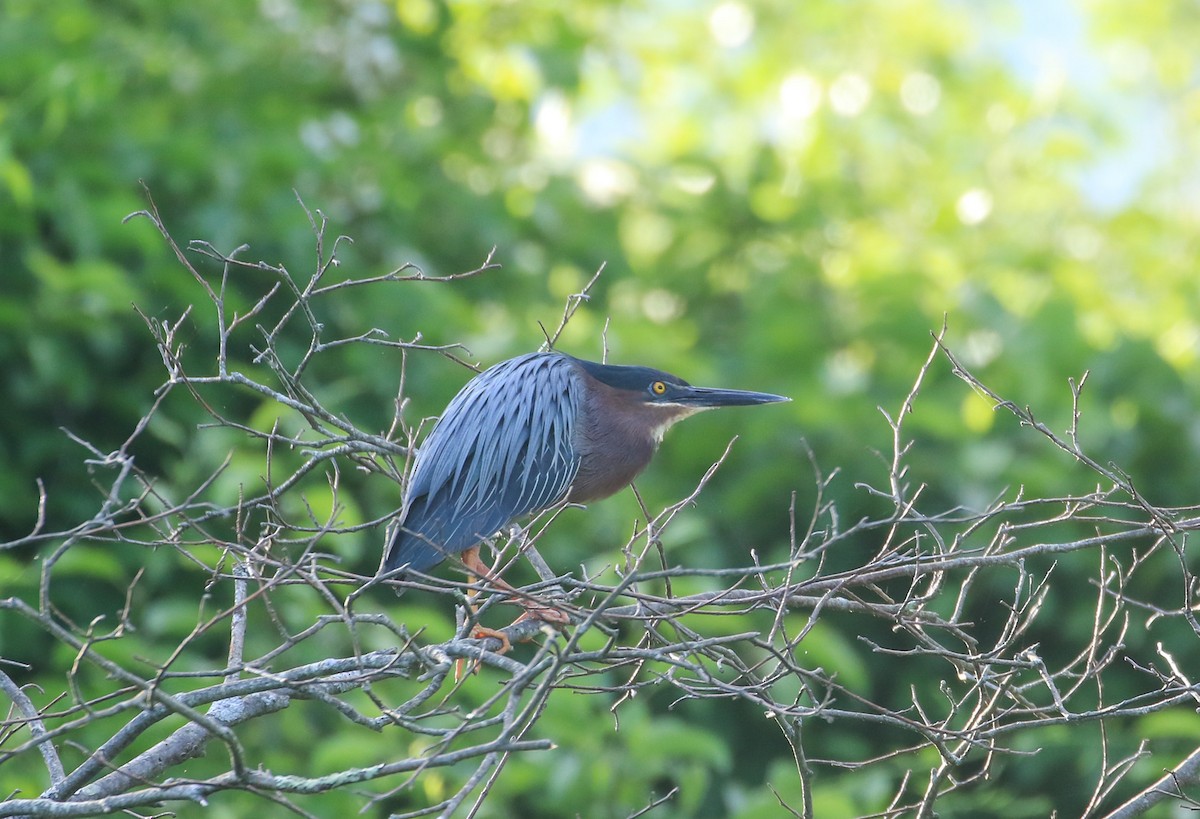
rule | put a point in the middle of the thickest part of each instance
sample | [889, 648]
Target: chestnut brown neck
[616, 436]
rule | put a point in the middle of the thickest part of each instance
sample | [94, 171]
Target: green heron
[531, 433]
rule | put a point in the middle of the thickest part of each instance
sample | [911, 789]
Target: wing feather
[503, 449]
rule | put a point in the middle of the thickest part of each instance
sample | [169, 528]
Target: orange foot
[545, 613]
[483, 632]
[461, 667]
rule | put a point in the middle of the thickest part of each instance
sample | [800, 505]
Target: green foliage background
[788, 197]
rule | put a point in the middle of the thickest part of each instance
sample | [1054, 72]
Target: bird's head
[657, 399]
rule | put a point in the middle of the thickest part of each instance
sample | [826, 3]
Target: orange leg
[533, 607]
[471, 560]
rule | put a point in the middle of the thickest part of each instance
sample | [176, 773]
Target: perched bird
[528, 434]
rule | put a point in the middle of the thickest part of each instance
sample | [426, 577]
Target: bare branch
[958, 603]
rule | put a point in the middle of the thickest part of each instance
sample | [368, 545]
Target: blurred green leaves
[787, 197]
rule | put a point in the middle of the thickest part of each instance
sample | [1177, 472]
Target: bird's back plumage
[504, 448]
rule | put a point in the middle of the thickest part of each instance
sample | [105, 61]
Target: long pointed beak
[708, 397]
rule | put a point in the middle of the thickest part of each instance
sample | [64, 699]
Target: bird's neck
[615, 445]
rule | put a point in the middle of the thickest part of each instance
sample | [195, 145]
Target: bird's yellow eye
[658, 388]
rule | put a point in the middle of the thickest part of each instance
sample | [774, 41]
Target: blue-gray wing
[502, 449]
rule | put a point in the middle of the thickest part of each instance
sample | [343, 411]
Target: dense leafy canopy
[786, 197]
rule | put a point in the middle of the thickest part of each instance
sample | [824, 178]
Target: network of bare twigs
[919, 581]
